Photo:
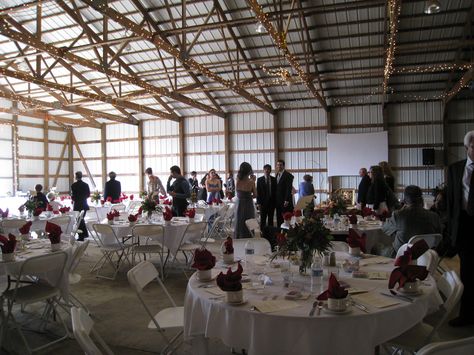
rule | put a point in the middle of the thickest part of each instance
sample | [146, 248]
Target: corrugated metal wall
[88, 140]
[460, 120]
[6, 151]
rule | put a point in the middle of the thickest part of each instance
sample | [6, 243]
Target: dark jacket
[390, 181]
[377, 193]
[284, 188]
[113, 190]
[41, 200]
[262, 196]
[363, 190]
[79, 194]
[454, 198]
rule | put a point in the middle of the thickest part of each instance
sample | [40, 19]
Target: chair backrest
[463, 346]
[80, 248]
[431, 239]
[222, 212]
[82, 327]
[118, 207]
[430, 259]
[52, 264]
[214, 227]
[92, 214]
[261, 246]
[254, 227]
[402, 249]
[106, 234]
[12, 225]
[340, 246]
[75, 227]
[230, 212]
[153, 231]
[62, 221]
[194, 232]
[133, 207]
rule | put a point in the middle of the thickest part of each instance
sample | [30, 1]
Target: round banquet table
[293, 331]
[36, 247]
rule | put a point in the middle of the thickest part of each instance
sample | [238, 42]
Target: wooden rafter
[58, 52]
[162, 43]
[276, 37]
[60, 163]
[463, 82]
[84, 163]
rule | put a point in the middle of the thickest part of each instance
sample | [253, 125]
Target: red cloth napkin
[132, 217]
[405, 272]
[54, 232]
[64, 209]
[109, 199]
[131, 197]
[230, 281]
[366, 211]
[228, 246]
[26, 228]
[167, 214]
[335, 290]
[49, 208]
[353, 219]
[191, 213]
[297, 213]
[8, 244]
[37, 211]
[203, 259]
[287, 216]
[355, 240]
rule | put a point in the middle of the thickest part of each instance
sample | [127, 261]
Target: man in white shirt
[460, 196]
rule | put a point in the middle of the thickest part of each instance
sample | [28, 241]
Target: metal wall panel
[462, 113]
[5, 132]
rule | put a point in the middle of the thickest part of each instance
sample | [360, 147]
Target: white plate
[237, 303]
[410, 294]
[330, 311]
[236, 260]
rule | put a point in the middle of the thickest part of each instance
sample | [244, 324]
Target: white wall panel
[62, 185]
[119, 149]
[203, 124]
[27, 184]
[30, 132]
[161, 146]
[88, 150]
[55, 150]
[53, 165]
[5, 131]
[115, 131]
[86, 134]
[57, 135]
[31, 148]
[302, 118]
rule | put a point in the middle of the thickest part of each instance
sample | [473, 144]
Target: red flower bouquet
[191, 212]
[352, 218]
[355, 240]
[228, 246]
[406, 272]
[131, 197]
[109, 199]
[287, 216]
[4, 214]
[366, 211]
[203, 259]
[230, 281]
[54, 232]
[281, 239]
[110, 216]
[37, 211]
[297, 213]
[167, 214]
[64, 209]
[335, 290]
[26, 228]
[8, 244]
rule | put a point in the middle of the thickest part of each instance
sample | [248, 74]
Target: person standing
[460, 196]
[388, 175]
[245, 188]
[79, 194]
[306, 187]
[40, 197]
[193, 182]
[112, 188]
[213, 186]
[363, 188]
[230, 186]
[266, 194]
[154, 185]
[378, 190]
[284, 199]
[179, 190]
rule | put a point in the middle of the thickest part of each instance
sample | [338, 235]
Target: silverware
[311, 313]
[397, 296]
[400, 295]
[320, 307]
[361, 307]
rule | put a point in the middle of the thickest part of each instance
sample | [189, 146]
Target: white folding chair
[47, 290]
[110, 246]
[339, 246]
[12, 226]
[213, 232]
[173, 317]
[430, 259]
[152, 237]
[75, 227]
[402, 249]
[254, 227]
[74, 278]
[261, 246]
[82, 327]
[119, 207]
[133, 207]
[91, 218]
[63, 222]
[463, 346]
[450, 286]
[431, 239]
[192, 239]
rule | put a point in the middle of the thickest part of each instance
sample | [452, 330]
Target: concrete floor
[122, 321]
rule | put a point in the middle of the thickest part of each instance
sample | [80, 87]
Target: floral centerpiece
[54, 234]
[336, 204]
[8, 247]
[149, 205]
[143, 194]
[204, 261]
[30, 206]
[309, 237]
[287, 216]
[112, 215]
[131, 197]
[4, 214]
[193, 197]
[406, 274]
[231, 283]
[227, 249]
[95, 197]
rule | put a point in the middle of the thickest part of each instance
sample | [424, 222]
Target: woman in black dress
[388, 175]
[378, 190]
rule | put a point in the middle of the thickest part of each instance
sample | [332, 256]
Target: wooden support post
[103, 146]
[276, 142]
[70, 155]
[46, 155]
[60, 163]
[329, 130]
[181, 146]
[141, 168]
[15, 167]
[227, 163]
[83, 160]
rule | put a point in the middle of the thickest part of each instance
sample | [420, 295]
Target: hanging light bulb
[260, 28]
[128, 47]
[432, 7]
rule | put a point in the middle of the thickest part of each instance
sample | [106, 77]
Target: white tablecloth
[40, 224]
[293, 331]
[37, 247]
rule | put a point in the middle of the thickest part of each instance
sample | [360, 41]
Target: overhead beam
[283, 48]
[58, 52]
[463, 82]
[162, 43]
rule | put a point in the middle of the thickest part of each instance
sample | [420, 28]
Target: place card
[373, 299]
[377, 276]
[274, 305]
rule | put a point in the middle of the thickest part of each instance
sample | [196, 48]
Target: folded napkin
[54, 232]
[4, 214]
[64, 209]
[353, 219]
[203, 259]
[8, 244]
[26, 228]
[230, 281]
[355, 240]
[167, 214]
[335, 290]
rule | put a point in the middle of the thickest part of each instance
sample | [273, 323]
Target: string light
[394, 7]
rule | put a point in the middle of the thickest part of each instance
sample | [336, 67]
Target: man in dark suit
[179, 190]
[284, 198]
[112, 188]
[363, 187]
[460, 197]
[79, 194]
[266, 194]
